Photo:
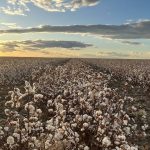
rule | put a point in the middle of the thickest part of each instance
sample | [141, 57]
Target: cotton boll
[86, 148]
[49, 103]
[38, 97]
[37, 143]
[77, 140]
[6, 129]
[85, 116]
[39, 111]
[7, 112]
[134, 108]
[58, 136]
[10, 140]
[106, 141]
[16, 135]
[1, 132]
[47, 144]
[98, 113]
[134, 148]
[74, 125]
[134, 126]
[144, 127]
[116, 142]
[125, 122]
[127, 130]
[85, 125]
[71, 110]
[50, 128]
[122, 137]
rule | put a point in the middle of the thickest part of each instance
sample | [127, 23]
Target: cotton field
[74, 104]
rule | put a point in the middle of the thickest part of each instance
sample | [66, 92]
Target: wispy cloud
[40, 45]
[138, 30]
[10, 25]
[112, 54]
[131, 43]
[20, 7]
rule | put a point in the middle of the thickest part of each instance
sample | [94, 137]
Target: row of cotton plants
[13, 71]
[71, 107]
[134, 71]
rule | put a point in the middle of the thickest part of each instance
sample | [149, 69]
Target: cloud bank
[21, 7]
[138, 30]
[40, 45]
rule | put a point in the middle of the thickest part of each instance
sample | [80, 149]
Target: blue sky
[24, 14]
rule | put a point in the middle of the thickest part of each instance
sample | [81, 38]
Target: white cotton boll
[77, 140]
[103, 104]
[74, 125]
[134, 108]
[117, 148]
[50, 128]
[49, 102]
[85, 116]
[134, 148]
[16, 135]
[85, 125]
[122, 137]
[125, 122]
[31, 145]
[50, 110]
[81, 100]
[10, 140]
[37, 143]
[80, 119]
[31, 109]
[62, 113]
[58, 136]
[127, 130]
[18, 104]
[82, 129]
[86, 148]
[98, 113]
[9, 103]
[6, 128]
[33, 138]
[7, 111]
[39, 111]
[117, 142]
[50, 136]
[144, 127]
[71, 110]
[47, 144]
[1, 132]
[101, 130]
[33, 119]
[76, 134]
[106, 141]
[38, 97]
[59, 106]
[134, 126]
[66, 92]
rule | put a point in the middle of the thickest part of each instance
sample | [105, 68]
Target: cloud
[20, 7]
[10, 25]
[41, 44]
[131, 43]
[138, 30]
[112, 54]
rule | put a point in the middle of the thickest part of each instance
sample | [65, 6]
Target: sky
[75, 28]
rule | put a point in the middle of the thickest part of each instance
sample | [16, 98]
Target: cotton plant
[23, 125]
